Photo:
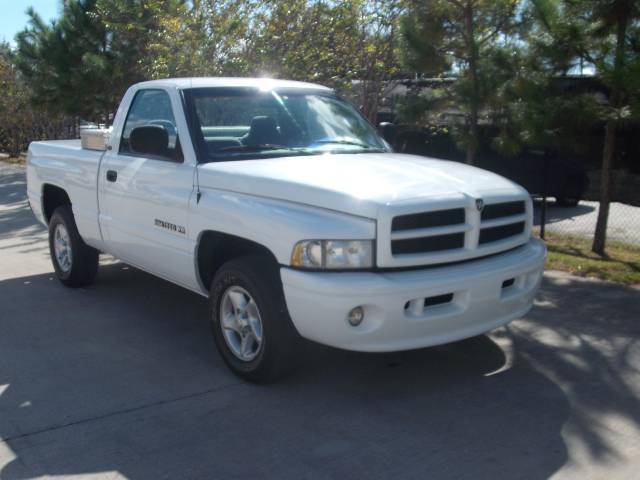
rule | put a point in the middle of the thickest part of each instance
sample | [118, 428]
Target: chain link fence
[554, 220]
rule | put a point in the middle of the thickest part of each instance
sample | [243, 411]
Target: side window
[151, 108]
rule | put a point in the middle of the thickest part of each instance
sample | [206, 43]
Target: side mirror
[389, 132]
[150, 140]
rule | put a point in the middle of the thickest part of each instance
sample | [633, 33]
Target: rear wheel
[74, 262]
[250, 321]
[571, 193]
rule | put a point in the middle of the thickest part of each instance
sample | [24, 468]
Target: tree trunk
[472, 47]
[472, 146]
[600, 234]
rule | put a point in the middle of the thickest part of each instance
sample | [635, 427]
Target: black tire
[84, 259]
[567, 202]
[277, 354]
[571, 193]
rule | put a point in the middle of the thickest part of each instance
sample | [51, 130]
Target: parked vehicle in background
[541, 173]
[280, 203]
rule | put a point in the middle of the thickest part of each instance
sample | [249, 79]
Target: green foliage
[143, 37]
[333, 43]
[602, 34]
[458, 36]
[318, 49]
[82, 63]
[535, 108]
[422, 108]
[534, 103]
[220, 37]
[20, 122]
[67, 60]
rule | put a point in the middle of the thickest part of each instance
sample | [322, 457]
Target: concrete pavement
[121, 380]
[580, 221]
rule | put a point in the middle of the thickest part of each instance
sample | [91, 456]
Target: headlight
[333, 254]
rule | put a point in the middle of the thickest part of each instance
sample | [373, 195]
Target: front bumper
[395, 314]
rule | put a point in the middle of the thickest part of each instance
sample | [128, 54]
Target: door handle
[112, 175]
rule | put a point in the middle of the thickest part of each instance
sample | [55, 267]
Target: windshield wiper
[346, 142]
[252, 148]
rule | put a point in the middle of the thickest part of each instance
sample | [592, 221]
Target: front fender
[275, 224]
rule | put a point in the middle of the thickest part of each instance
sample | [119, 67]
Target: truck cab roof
[205, 82]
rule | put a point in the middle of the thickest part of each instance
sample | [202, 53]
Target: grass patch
[573, 254]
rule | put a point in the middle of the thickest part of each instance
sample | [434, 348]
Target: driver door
[145, 190]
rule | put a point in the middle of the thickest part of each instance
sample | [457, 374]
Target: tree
[350, 45]
[20, 122]
[11, 101]
[531, 103]
[66, 64]
[222, 36]
[306, 40]
[456, 36]
[377, 52]
[604, 34]
[145, 39]
[82, 63]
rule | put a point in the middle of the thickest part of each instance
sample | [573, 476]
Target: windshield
[247, 123]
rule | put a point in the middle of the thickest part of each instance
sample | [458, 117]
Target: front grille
[436, 243]
[427, 232]
[499, 210]
[438, 218]
[494, 234]
[456, 231]
[500, 221]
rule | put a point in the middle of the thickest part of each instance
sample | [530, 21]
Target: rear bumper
[395, 316]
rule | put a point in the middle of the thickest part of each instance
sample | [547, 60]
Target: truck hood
[358, 184]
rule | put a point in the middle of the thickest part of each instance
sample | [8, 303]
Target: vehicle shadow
[123, 377]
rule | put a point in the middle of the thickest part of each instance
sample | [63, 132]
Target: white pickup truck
[279, 202]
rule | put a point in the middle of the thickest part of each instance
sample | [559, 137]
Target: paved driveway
[121, 380]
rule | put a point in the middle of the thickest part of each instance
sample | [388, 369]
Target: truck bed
[65, 164]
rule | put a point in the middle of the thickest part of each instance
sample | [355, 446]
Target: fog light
[356, 316]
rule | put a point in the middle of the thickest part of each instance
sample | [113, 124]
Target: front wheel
[75, 263]
[250, 321]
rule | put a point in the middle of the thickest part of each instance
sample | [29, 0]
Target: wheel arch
[53, 197]
[214, 248]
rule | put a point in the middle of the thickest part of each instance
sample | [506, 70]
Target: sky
[13, 17]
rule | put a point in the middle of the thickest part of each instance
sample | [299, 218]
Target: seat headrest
[263, 130]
